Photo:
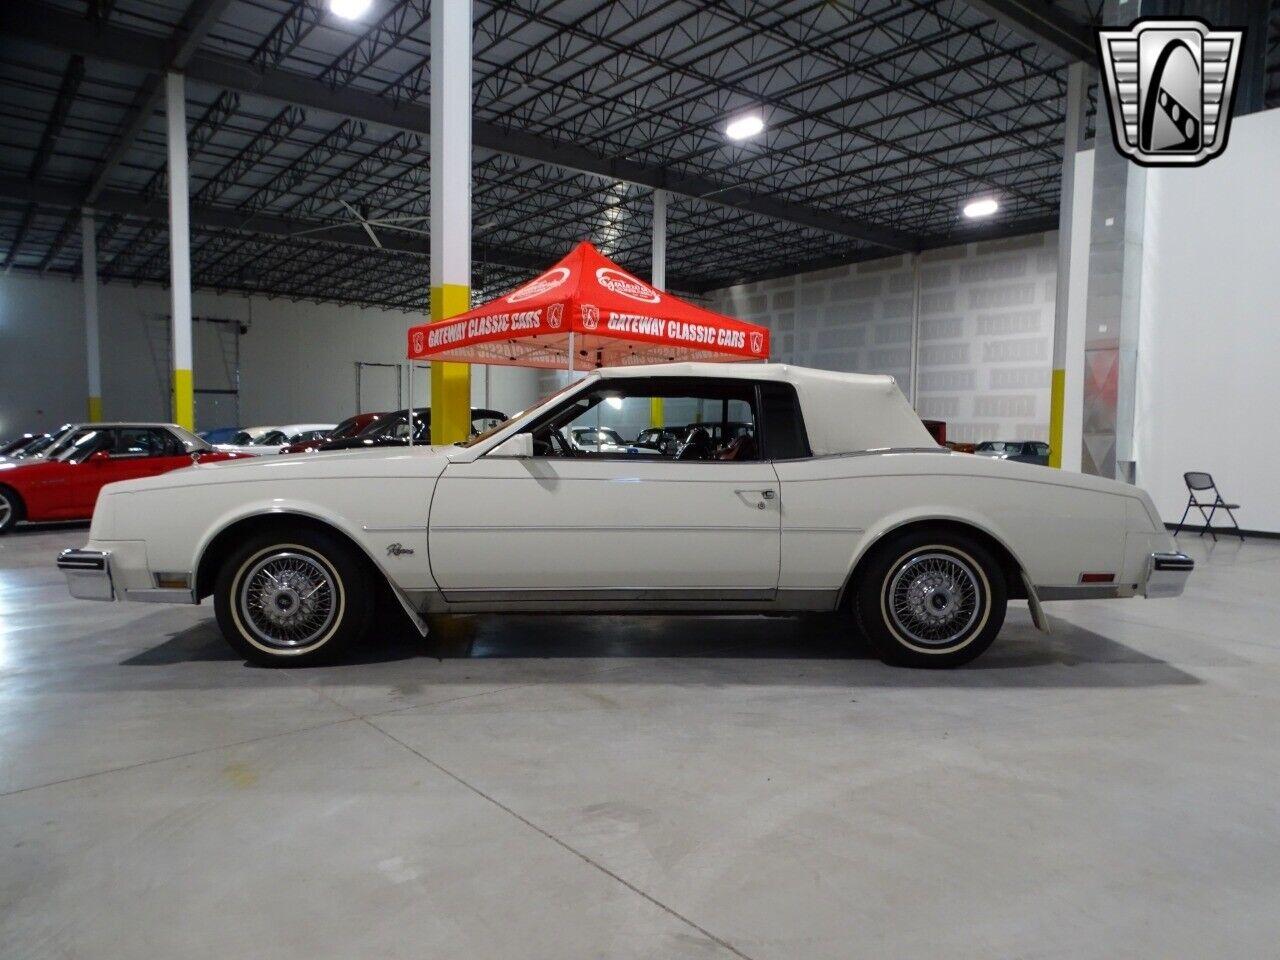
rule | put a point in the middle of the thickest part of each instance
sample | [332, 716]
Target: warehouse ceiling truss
[308, 136]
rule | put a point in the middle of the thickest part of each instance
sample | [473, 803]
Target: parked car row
[378, 429]
[57, 475]
[62, 480]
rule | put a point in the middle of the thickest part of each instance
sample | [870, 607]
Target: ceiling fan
[398, 223]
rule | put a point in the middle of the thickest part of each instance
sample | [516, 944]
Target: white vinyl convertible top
[843, 412]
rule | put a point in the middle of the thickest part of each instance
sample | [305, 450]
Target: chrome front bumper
[88, 574]
[1167, 574]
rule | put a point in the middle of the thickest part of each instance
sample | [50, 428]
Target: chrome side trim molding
[711, 602]
[786, 530]
[611, 595]
[819, 601]
[598, 528]
[376, 529]
[161, 595]
[1089, 591]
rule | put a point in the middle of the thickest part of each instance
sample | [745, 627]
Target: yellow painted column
[95, 409]
[1057, 407]
[656, 412]
[184, 399]
[451, 27]
[450, 382]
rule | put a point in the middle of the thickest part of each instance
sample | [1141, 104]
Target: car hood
[423, 462]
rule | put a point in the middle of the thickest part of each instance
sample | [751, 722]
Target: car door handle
[766, 494]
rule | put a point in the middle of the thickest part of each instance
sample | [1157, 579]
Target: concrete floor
[568, 788]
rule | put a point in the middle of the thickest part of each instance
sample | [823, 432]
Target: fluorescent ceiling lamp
[985, 207]
[350, 9]
[744, 127]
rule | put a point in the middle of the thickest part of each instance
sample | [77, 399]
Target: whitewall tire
[931, 599]
[292, 598]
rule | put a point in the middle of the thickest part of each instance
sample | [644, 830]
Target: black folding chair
[1198, 482]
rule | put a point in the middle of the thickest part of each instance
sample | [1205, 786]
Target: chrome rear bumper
[88, 574]
[1167, 574]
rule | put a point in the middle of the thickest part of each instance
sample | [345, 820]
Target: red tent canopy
[610, 317]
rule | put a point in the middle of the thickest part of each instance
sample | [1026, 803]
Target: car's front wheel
[292, 598]
[931, 599]
[10, 509]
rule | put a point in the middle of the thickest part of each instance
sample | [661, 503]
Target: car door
[89, 467]
[599, 526]
[131, 452]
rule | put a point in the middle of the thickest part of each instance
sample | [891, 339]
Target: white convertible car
[836, 499]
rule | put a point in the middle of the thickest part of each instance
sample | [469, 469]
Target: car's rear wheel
[931, 599]
[10, 509]
[292, 598]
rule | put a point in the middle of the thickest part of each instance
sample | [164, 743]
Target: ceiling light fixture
[350, 9]
[744, 127]
[976, 209]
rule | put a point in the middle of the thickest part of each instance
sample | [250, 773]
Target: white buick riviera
[788, 491]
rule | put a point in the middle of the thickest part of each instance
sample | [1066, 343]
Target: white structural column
[659, 275]
[179, 251]
[658, 279]
[450, 207]
[1070, 147]
[89, 273]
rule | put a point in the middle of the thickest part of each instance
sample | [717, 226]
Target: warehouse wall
[296, 359]
[1208, 394]
[986, 329]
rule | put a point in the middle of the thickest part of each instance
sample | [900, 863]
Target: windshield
[347, 428]
[62, 441]
[38, 445]
[519, 416]
[76, 446]
[271, 438]
[190, 441]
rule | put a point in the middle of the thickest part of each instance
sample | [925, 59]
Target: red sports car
[64, 483]
[350, 427]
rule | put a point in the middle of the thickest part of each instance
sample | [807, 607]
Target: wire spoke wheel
[288, 599]
[934, 598]
[6, 511]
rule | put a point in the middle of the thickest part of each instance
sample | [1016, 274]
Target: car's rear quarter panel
[836, 508]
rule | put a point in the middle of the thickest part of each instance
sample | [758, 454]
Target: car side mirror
[99, 456]
[520, 447]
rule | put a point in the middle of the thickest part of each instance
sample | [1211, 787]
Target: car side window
[88, 442]
[783, 424]
[135, 442]
[652, 419]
